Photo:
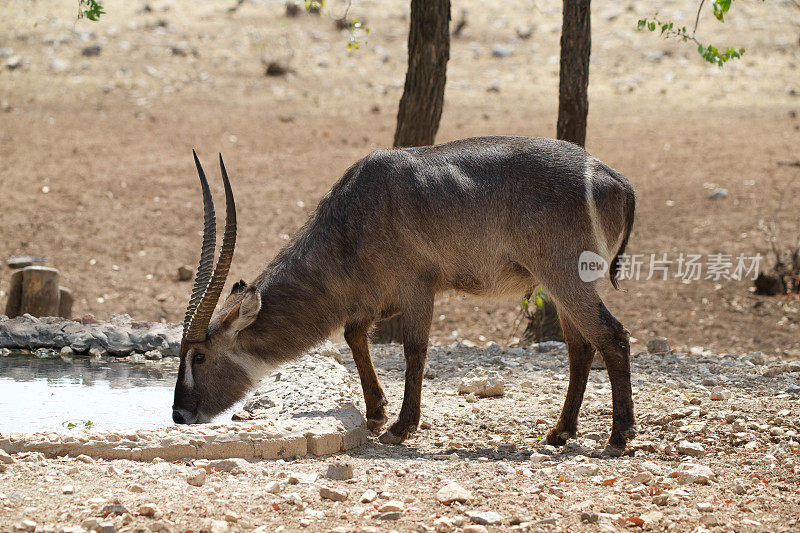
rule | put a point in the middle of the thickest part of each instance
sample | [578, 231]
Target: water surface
[49, 394]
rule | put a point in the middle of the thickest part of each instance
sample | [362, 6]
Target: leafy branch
[90, 9]
[709, 53]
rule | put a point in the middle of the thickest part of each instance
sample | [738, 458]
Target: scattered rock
[67, 489]
[301, 478]
[328, 493]
[482, 383]
[757, 358]
[91, 50]
[85, 459]
[235, 465]
[502, 50]
[327, 349]
[392, 506]
[718, 194]
[689, 473]
[148, 509]
[368, 496]
[113, 508]
[720, 393]
[474, 529]
[486, 518]
[453, 492]
[339, 471]
[274, 69]
[198, 478]
[273, 487]
[5, 458]
[691, 448]
[390, 515]
[658, 346]
[185, 273]
[13, 62]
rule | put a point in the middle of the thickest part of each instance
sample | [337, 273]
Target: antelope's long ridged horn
[206, 267]
[206, 306]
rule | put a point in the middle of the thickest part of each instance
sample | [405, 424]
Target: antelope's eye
[199, 357]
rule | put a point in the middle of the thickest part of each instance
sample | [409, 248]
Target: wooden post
[40, 295]
[14, 294]
[65, 302]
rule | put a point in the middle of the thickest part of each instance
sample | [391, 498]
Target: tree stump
[65, 301]
[14, 294]
[40, 296]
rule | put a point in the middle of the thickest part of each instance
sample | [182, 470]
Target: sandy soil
[97, 177]
[699, 464]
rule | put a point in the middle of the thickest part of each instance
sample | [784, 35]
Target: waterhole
[55, 394]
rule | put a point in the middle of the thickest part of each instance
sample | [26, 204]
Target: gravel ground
[699, 463]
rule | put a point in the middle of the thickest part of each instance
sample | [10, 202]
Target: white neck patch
[254, 367]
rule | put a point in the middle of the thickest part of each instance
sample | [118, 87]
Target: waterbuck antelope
[488, 216]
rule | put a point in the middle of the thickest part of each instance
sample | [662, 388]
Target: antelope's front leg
[416, 326]
[355, 334]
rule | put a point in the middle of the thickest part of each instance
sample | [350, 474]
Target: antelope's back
[469, 209]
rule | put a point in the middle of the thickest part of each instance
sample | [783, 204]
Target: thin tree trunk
[423, 97]
[573, 108]
[576, 45]
[428, 52]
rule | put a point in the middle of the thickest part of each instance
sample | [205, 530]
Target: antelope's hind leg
[355, 334]
[580, 353]
[582, 306]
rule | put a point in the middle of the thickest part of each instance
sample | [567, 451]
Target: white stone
[453, 492]
[689, 473]
[486, 518]
[329, 493]
[691, 448]
[368, 496]
[482, 383]
[720, 393]
[392, 506]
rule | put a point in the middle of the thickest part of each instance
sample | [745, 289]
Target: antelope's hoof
[374, 424]
[388, 437]
[619, 438]
[612, 451]
[558, 438]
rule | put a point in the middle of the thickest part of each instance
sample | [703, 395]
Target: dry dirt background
[109, 138]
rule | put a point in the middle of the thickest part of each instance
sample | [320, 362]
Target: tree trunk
[65, 302]
[428, 52]
[573, 108]
[40, 295]
[423, 97]
[14, 294]
[576, 45]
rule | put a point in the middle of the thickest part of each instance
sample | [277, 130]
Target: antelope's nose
[177, 417]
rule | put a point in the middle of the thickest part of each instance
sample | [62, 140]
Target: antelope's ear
[238, 287]
[245, 312]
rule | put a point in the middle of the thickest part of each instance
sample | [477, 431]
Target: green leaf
[720, 8]
[651, 26]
